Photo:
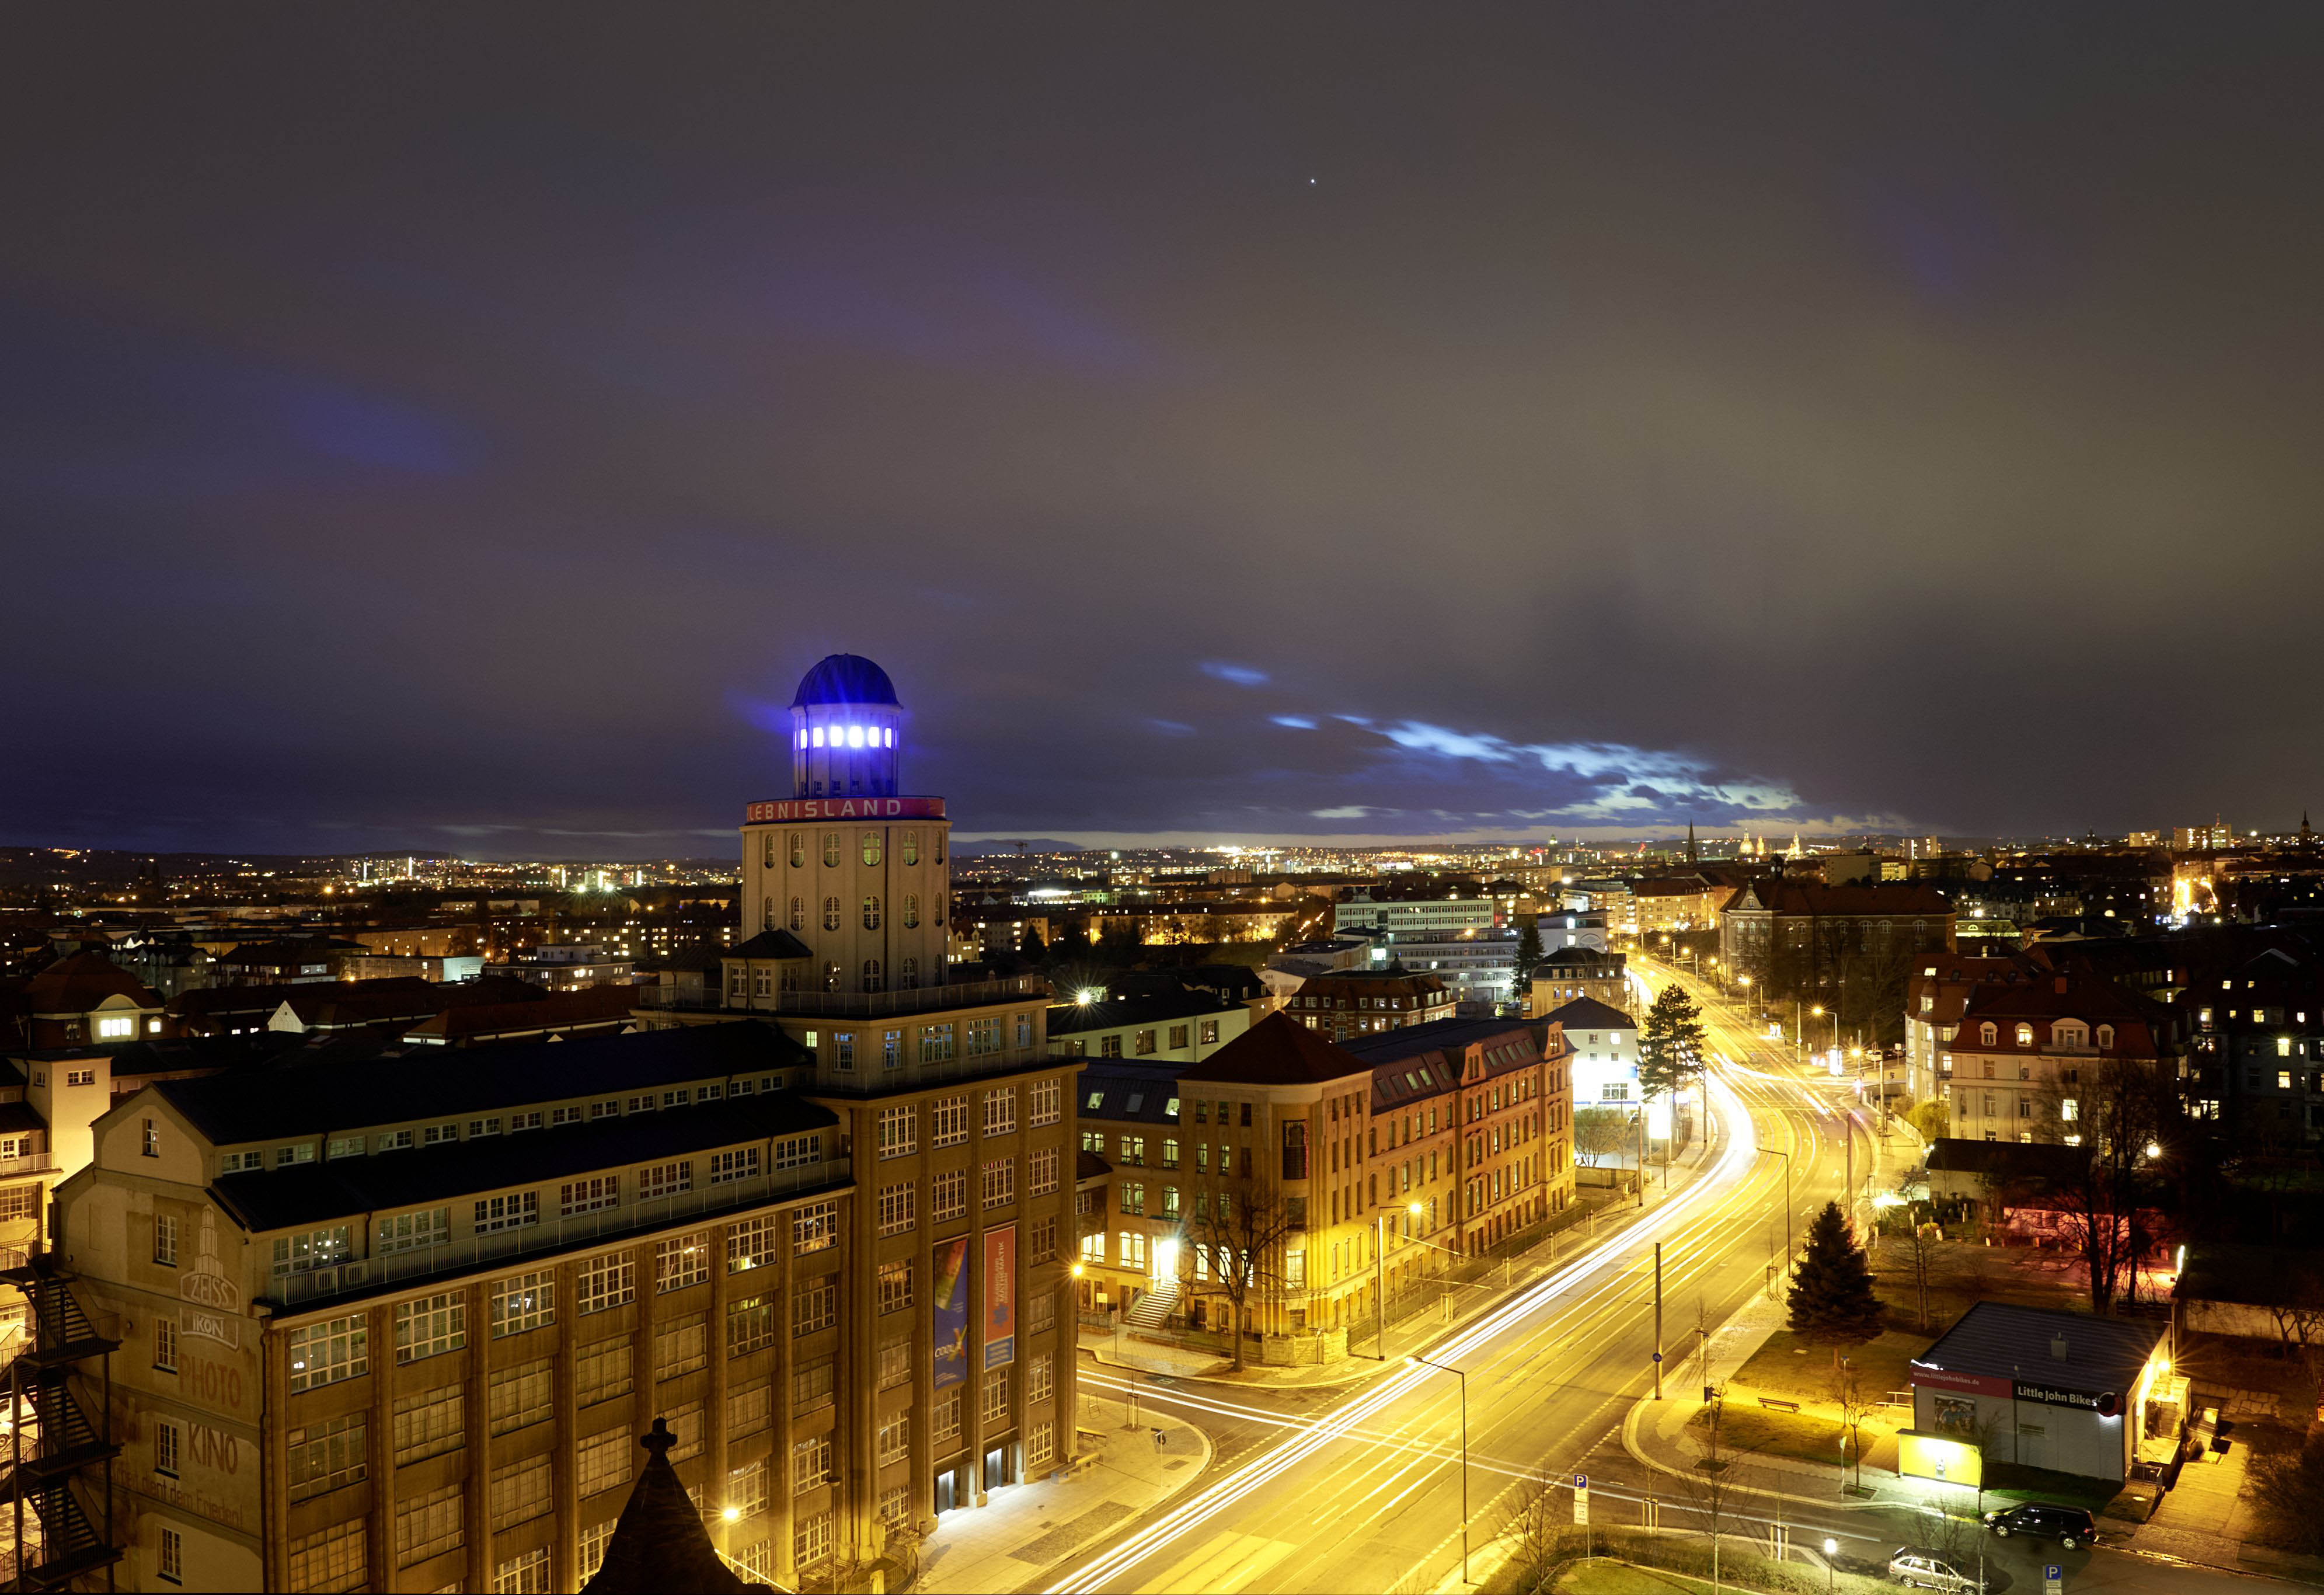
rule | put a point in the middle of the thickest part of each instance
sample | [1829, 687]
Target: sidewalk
[1133, 1353]
[1024, 1530]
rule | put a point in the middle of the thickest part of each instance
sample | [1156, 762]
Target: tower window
[870, 847]
[911, 847]
[871, 974]
[870, 913]
[799, 850]
[798, 913]
[854, 737]
[830, 913]
[818, 736]
[911, 910]
[831, 852]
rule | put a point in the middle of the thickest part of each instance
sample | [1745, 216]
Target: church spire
[1692, 857]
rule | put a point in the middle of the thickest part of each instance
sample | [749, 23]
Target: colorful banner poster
[951, 1264]
[1000, 1296]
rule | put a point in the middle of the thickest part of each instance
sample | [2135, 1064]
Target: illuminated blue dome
[844, 678]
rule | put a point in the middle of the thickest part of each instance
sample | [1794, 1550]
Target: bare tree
[2129, 1106]
[2298, 1310]
[1534, 1533]
[1709, 1488]
[1600, 1132]
[1922, 1242]
[1240, 1231]
[1855, 1405]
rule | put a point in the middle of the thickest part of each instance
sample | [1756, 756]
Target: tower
[857, 874]
[844, 731]
[1692, 856]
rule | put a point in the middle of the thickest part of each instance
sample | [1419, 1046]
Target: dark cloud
[423, 426]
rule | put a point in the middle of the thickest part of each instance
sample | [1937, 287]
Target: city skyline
[1222, 430]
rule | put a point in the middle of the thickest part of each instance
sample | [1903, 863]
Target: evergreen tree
[1034, 948]
[1528, 955]
[1830, 1295]
[1671, 1043]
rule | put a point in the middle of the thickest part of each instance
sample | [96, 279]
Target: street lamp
[1463, 1378]
[1786, 1156]
[1831, 1550]
[1380, 1270]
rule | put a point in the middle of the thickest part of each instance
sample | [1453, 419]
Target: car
[1916, 1567]
[2071, 1527]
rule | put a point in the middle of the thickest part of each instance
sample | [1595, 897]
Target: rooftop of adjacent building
[2041, 1345]
[1587, 1013]
[1114, 1013]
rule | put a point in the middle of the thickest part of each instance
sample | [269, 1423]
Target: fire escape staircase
[58, 1542]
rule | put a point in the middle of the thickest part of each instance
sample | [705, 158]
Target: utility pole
[1658, 1321]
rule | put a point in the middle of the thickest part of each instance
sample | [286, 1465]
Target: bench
[1779, 1406]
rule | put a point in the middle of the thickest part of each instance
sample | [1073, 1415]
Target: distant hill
[985, 849]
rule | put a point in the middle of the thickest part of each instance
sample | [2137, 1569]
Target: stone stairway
[1152, 1309]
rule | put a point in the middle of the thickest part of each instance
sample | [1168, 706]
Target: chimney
[2058, 1347]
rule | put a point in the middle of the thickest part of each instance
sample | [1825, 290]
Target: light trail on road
[1733, 1164]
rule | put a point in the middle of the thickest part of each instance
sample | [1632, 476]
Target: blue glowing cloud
[1241, 675]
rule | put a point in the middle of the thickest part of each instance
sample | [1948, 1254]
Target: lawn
[1749, 1428]
[1804, 1369]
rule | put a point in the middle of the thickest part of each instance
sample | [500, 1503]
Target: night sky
[459, 429]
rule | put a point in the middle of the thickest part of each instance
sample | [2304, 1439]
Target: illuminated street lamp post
[1379, 1271]
[1463, 1378]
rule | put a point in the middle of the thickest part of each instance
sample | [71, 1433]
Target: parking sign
[2054, 1580]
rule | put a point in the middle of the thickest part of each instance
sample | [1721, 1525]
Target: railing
[313, 1285]
[850, 1004]
[33, 1163]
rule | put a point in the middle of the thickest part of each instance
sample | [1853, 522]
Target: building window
[911, 910]
[811, 1387]
[165, 1448]
[750, 1326]
[518, 1398]
[750, 1409]
[411, 1231]
[996, 1399]
[831, 852]
[948, 1122]
[1047, 1103]
[328, 1559]
[811, 1541]
[870, 913]
[946, 1421]
[173, 1555]
[870, 847]
[519, 1492]
[948, 1194]
[895, 1441]
[512, 1211]
[319, 1353]
[746, 1489]
[165, 1240]
[750, 1244]
[317, 1249]
[895, 1285]
[1001, 1109]
[605, 1281]
[1042, 1174]
[1000, 1182]
[681, 1261]
[830, 913]
[936, 1044]
[523, 1575]
[815, 1304]
[430, 1326]
[815, 1227]
[682, 1345]
[602, 1462]
[152, 1140]
[910, 847]
[898, 1132]
[601, 1371]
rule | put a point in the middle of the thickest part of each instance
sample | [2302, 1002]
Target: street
[1367, 1493]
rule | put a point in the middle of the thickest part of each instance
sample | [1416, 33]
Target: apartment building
[1576, 972]
[1344, 1002]
[2026, 1055]
[373, 1313]
[1373, 1162]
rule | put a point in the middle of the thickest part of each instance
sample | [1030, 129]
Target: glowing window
[854, 737]
[818, 736]
[888, 737]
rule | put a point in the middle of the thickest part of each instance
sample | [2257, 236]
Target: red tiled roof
[590, 1006]
[1278, 1050]
[1786, 895]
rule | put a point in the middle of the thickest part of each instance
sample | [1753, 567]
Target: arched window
[798, 913]
[767, 914]
[831, 977]
[908, 975]
[940, 909]
[940, 836]
[911, 910]
[870, 913]
[830, 913]
[2024, 1034]
[799, 850]
[830, 849]
[871, 974]
[768, 852]
[911, 848]
[1990, 1035]
[2106, 1037]
[870, 847]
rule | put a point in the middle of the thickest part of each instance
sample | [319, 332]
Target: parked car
[1918, 1568]
[2071, 1527]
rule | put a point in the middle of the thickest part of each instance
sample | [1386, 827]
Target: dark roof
[659, 1543]
[844, 678]
[78, 983]
[2038, 1161]
[1577, 955]
[1415, 1061]
[1138, 1095]
[1437, 1035]
[557, 1010]
[1587, 1013]
[1089, 1166]
[20, 1116]
[309, 1091]
[1278, 1050]
[313, 1193]
[2000, 1340]
[770, 943]
[206, 1052]
[1788, 894]
[1068, 1018]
